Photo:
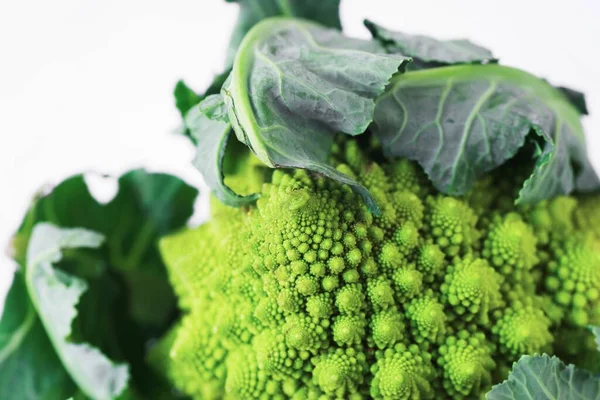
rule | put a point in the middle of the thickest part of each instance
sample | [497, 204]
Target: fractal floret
[308, 295]
[391, 218]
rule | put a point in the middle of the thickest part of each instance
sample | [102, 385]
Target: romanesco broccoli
[307, 295]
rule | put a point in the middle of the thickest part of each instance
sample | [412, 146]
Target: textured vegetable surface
[308, 295]
[394, 218]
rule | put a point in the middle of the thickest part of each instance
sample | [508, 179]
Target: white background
[86, 85]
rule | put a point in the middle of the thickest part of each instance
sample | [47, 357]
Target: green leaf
[186, 98]
[217, 83]
[29, 366]
[325, 12]
[55, 295]
[209, 125]
[17, 318]
[459, 122]
[251, 12]
[576, 98]
[295, 84]
[129, 301]
[429, 51]
[146, 207]
[545, 377]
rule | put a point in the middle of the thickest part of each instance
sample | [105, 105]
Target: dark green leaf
[29, 366]
[146, 207]
[325, 12]
[576, 98]
[185, 98]
[544, 377]
[429, 51]
[55, 295]
[17, 318]
[210, 127]
[295, 84]
[462, 121]
[129, 300]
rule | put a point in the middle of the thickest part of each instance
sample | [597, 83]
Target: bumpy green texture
[309, 296]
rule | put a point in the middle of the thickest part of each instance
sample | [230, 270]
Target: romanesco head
[306, 295]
